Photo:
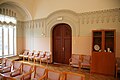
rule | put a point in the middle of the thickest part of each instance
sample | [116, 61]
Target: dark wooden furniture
[103, 52]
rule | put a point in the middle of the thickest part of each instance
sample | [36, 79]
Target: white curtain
[7, 36]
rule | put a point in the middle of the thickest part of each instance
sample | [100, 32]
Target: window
[7, 36]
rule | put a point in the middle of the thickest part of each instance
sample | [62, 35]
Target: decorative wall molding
[18, 9]
[75, 20]
[102, 16]
[8, 12]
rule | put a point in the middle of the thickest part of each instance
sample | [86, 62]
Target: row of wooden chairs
[84, 61]
[80, 61]
[42, 56]
[13, 70]
[23, 71]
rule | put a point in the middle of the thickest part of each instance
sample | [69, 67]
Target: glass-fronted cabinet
[103, 51]
[103, 41]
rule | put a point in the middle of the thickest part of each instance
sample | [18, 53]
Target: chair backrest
[42, 54]
[48, 54]
[75, 58]
[86, 59]
[39, 71]
[36, 52]
[17, 65]
[53, 75]
[73, 76]
[8, 63]
[26, 68]
[26, 52]
[7, 67]
[31, 53]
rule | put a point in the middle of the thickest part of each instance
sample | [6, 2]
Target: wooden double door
[62, 43]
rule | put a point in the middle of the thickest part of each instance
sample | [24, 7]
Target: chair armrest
[6, 69]
[15, 73]
[28, 73]
[10, 78]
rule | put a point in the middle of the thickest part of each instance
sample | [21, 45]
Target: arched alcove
[62, 16]
[22, 14]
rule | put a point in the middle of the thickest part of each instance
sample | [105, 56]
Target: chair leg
[40, 61]
[23, 58]
[47, 61]
[79, 68]
[70, 67]
[28, 59]
[34, 61]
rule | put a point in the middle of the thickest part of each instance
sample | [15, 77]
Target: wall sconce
[43, 34]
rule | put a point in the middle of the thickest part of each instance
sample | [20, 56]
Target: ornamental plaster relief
[75, 20]
[103, 16]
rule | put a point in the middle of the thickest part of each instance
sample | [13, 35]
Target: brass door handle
[63, 48]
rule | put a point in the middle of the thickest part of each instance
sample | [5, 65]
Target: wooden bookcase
[103, 52]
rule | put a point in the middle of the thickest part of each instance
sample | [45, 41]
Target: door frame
[53, 37]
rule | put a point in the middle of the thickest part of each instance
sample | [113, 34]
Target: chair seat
[43, 59]
[31, 57]
[85, 64]
[75, 65]
[7, 74]
[36, 58]
[26, 56]
[20, 55]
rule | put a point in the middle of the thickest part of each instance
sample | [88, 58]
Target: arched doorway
[62, 43]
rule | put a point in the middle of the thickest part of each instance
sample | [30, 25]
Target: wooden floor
[63, 67]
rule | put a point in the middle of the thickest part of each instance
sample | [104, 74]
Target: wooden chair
[6, 67]
[73, 76]
[52, 75]
[41, 54]
[25, 53]
[85, 61]
[40, 73]
[16, 70]
[30, 56]
[26, 72]
[35, 54]
[74, 61]
[46, 58]
[30, 53]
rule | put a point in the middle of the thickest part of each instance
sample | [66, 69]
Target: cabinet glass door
[109, 41]
[97, 41]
